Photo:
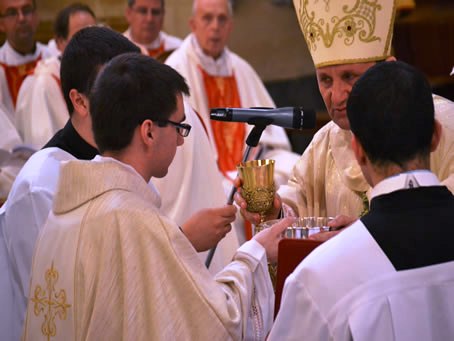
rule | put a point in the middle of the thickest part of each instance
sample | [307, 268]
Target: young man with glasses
[20, 53]
[145, 19]
[124, 271]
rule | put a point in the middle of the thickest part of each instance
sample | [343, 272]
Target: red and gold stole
[157, 51]
[229, 136]
[15, 75]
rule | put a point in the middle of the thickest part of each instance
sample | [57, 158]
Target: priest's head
[19, 21]
[87, 51]
[211, 23]
[145, 19]
[345, 38]
[70, 20]
[391, 115]
[137, 112]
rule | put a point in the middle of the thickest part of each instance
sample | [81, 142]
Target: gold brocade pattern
[365, 201]
[50, 302]
[358, 22]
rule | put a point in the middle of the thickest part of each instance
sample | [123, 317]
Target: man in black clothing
[391, 274]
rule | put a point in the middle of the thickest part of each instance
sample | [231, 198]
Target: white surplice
[327, 180]
[10, 162]
[170, 42]
[9, 56]
[27, 208]
[118, 270]
[41, 109]
[186, 60]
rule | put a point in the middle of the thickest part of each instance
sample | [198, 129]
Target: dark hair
[132, 2]
[86, 52]
[132, 88]
[391, 112]
[61, 24]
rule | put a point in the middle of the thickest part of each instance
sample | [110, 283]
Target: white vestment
[9, 56]
[186, 60]
[193, 182]
[27, 208]
[10, 162]
[53, 49]
[321, 298]
[41, 109]
[116, 269]
[328, 181]
[170, 42]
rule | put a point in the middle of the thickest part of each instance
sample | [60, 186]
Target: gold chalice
[258, 189]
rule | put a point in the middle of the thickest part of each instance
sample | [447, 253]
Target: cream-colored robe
[41, 109]
[326, 179]
[115, 269]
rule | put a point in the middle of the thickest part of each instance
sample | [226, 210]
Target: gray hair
[194, 7]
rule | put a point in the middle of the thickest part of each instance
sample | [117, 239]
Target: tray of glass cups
[302, 227]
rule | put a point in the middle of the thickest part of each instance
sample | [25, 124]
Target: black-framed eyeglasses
[182, 128]
[13, 13]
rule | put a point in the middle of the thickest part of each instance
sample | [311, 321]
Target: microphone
[286, 117]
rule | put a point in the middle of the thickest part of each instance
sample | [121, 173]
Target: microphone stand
[252, 140]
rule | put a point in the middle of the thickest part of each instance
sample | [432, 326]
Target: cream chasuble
[107, 266]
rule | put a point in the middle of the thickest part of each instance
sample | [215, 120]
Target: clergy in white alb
[111, 255]
[335, 293]
[193, 64]
[327, 181]
[41, 109]
[11, 159]
[20, 52]
[146, 20]
[14, 68]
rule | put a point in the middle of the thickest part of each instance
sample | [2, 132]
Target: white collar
[153, 45]
[215, 67]
[417, 178]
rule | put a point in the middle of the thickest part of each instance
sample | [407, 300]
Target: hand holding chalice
[257, 177]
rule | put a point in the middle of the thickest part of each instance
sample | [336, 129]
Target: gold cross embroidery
[50, 302]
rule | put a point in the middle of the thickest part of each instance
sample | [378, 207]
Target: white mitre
[346, 31]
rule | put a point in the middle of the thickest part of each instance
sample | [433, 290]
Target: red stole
[154, 53]
[229, 136]
[15, 75]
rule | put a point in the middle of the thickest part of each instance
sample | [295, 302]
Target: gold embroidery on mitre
[50, 302]
[358, 22]
[346, 31]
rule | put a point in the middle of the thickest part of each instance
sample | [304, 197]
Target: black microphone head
[309, 119]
